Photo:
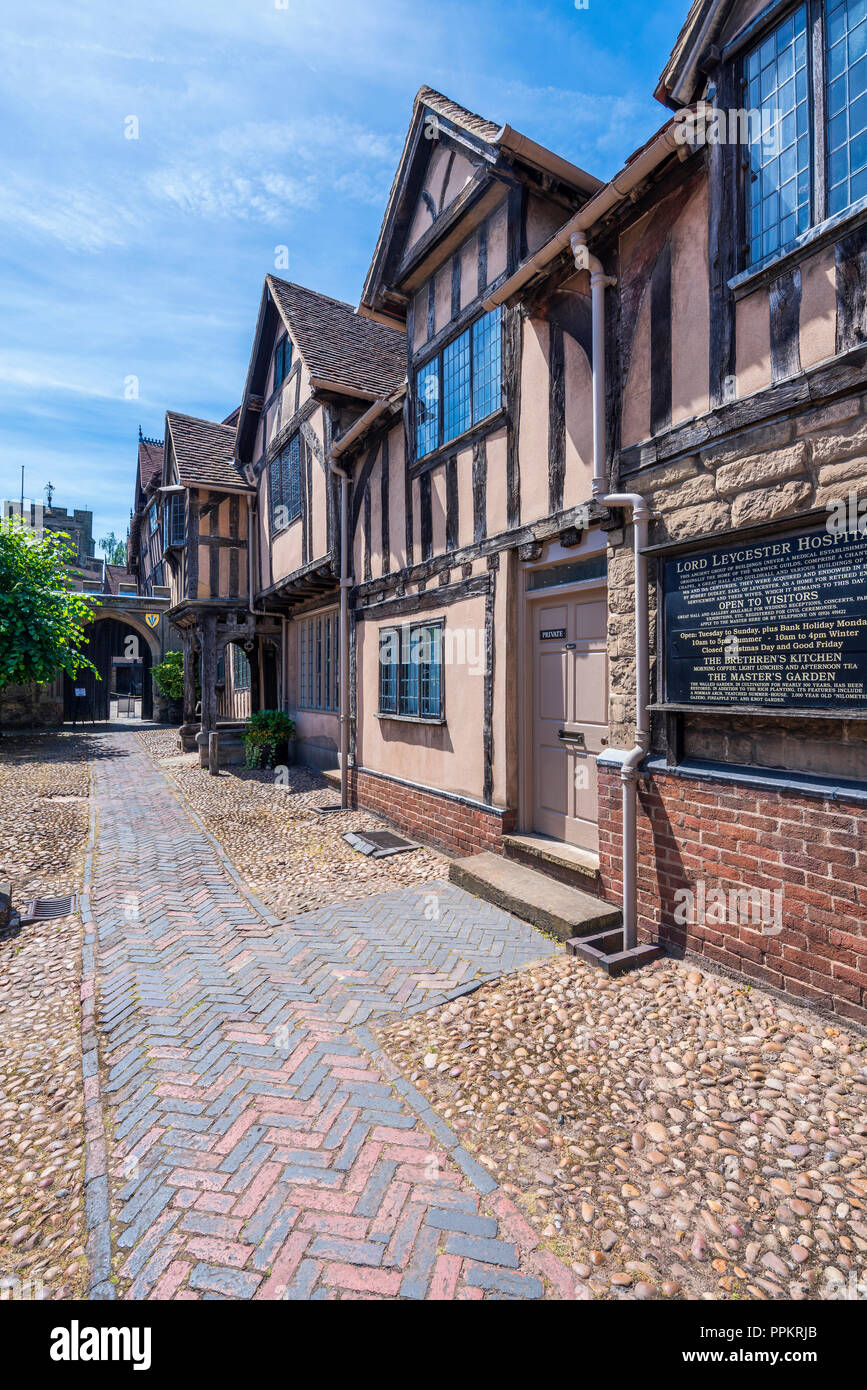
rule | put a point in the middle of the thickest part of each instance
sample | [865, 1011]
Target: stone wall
[779, 470]
[32, 706]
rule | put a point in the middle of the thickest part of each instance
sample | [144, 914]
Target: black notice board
[778, 622]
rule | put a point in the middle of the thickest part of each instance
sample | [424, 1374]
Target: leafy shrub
[168, 676]
[266, 730]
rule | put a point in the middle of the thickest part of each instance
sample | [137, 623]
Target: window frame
[423, 363]
[282, 367]
[240, 681]
[735, 60]
[288, 484]
[175, 503]
[398, 679]
[318, 662]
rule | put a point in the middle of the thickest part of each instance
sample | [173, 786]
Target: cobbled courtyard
[309, 1075]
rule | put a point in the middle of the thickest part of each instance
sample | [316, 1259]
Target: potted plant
[269, 739]
[168, 677]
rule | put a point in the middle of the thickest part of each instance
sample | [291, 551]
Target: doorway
[123, 660]
[569, 691]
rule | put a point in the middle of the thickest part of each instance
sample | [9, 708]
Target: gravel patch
[671, 1134]
[43, 836]
[293, 858]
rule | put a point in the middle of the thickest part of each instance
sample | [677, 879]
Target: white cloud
[82, 219]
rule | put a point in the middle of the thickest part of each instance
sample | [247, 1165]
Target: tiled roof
[150, 461]
[459, 115]
[337, 344]
[116, 575]
[203, 452]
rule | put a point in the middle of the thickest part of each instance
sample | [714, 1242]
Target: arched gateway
[124, 643]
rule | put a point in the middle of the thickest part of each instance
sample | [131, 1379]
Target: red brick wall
[734, 837]
[440, 820]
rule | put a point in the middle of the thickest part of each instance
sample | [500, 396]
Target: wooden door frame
[525, 675]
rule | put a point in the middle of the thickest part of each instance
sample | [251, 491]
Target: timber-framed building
[551, 387]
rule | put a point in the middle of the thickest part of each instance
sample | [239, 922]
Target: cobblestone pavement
[292, 857]
[260, 1145]
[43, 833]
[672, 1133]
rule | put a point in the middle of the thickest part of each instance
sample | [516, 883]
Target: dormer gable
[309, 344]
[456, 167]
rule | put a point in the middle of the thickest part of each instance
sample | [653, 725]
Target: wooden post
[209, 673]
[214, 754]
[189, 679]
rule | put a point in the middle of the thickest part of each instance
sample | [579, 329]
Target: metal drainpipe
[346, 582]
[599, 281]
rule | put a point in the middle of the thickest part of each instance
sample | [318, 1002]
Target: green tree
[42, 617]
[115, 550]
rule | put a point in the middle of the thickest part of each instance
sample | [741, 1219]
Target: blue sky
[261, 123]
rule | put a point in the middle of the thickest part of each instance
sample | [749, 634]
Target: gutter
[631, 760]
[623, 185]
[346, 583]
[347, 580]
[530, 152]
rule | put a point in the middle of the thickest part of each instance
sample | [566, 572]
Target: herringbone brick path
[259, 1145]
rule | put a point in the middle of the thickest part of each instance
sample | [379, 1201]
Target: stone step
[568, 863]
[551, 906]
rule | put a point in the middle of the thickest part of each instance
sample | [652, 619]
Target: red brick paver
[260, 1147]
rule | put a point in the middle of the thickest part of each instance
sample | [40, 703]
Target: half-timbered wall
[291, 412]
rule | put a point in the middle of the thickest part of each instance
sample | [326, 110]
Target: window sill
[460, 441]
[805, 245]
[411, 718]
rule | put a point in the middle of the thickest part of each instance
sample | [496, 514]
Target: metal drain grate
[45, 909]
[327, 810]
[378, 843]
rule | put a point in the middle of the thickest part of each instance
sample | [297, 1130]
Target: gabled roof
[150, 460]
[116, 575]
[340, 347]
[457, 114]
[203, 452]
[492, 145]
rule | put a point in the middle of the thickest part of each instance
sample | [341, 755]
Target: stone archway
[110, 635]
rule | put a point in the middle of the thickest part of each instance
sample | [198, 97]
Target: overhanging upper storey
[455, 169]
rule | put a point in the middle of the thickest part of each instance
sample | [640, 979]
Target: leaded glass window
[461, 386]
[410, 670]
[846, 77]
[778, 177]
[782, 79]
[457, 414]
[284, 483]
[319, 688]
[282, 361]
